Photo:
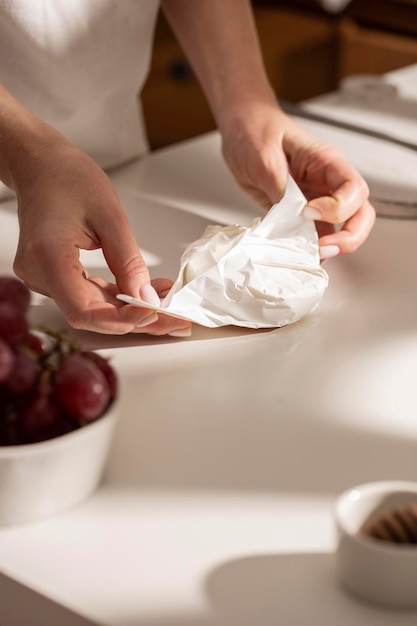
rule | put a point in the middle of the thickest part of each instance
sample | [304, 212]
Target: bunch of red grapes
[48, 385]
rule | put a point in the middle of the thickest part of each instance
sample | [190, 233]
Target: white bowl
[381, 572]
[38, 480]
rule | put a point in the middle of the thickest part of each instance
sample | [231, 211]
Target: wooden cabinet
[364, 50]
[386, 16]
[174, 105]
[299, 52]
[306, 52]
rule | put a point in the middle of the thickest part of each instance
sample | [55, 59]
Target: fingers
[270, 175]
[255, 156]
[341, 204]
[351, 236]
[137, 320]
[165, 324]
[162, 286]
[102, 312]
[128, 266]
[124, 257]
[83, 302]
[347, 204]
[270, 187]
[90, 303]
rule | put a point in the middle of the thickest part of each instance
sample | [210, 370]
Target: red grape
[40, 418]
[81, 388]
[24, 375]
[13, 324]
[48, 386]
[106, 369]
[7, 360]
[14, 292]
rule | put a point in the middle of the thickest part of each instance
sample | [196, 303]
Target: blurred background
[308, 47]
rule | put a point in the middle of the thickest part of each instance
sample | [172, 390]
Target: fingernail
[326, 252]
[180, 332]
[149, 295]
[164, 293]
[312, 214]
[150, 319]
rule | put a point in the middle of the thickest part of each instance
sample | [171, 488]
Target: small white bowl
[38, 480]
[381, 572]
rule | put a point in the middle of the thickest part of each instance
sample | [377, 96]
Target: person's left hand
[261, 144]
[66, 203]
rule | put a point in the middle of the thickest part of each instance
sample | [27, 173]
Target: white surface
[233, 444]
[386, 103]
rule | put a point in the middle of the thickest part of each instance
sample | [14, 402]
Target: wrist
[248, 112]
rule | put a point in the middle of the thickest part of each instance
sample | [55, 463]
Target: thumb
[124, 258]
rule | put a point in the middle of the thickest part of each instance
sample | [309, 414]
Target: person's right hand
[66, 203]
[261, 145]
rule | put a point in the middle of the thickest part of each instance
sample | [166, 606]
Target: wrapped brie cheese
[264, 275]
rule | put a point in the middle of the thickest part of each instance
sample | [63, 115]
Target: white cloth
[79, 65]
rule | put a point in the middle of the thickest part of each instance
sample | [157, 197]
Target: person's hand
[67, 203]
[261, 145]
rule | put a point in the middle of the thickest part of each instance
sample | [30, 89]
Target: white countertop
[232, 444]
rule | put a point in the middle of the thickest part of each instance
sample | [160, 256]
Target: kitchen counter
[232, 445]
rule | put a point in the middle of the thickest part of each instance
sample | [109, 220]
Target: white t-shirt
[79, 65]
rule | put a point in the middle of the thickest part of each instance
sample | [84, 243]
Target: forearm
[221, 41]
[22, 134]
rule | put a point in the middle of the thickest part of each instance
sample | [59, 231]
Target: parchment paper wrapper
[264, 275]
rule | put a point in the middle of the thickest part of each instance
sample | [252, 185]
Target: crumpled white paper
[261, 276]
